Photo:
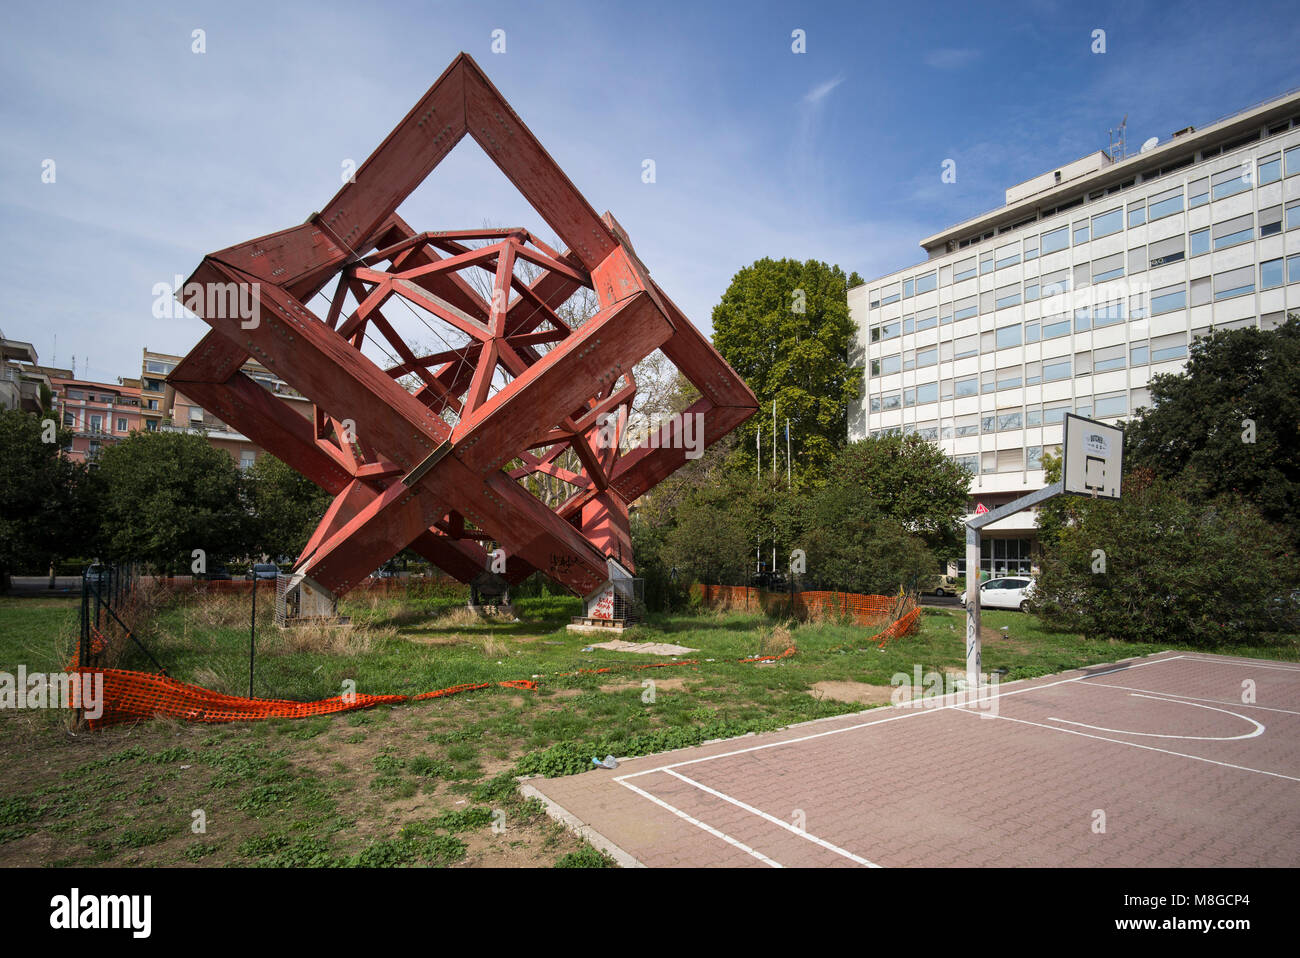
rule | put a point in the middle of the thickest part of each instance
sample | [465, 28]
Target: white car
[1007, 592]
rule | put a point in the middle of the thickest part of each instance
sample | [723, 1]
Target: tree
[911, 482]
[784, 326]
[1227, 423]
[1164, 565]
[166, 494]
[46, 506]
[710, 533]
[853, 546]
[286, 507]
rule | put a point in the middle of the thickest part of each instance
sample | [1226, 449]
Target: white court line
[1259, 729]
[1149, 748]
[910, 710]
[908, 713]
[1245, 705]
[708, 828]
[1249, 663]
[776, 821]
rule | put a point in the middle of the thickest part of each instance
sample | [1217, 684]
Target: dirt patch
[1003, 640]
[858, 692]
[438, 640]
[670, 685]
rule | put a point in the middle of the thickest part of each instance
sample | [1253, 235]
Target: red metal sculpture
[436, 464]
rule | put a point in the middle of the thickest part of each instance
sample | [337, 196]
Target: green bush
[1161, 566]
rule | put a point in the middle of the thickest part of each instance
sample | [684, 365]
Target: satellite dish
[1150, 144]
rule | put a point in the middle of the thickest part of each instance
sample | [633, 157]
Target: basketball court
[1175, 759]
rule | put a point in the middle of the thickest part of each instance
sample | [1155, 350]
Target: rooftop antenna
[1118, 141]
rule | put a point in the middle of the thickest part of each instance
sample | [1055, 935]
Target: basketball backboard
[1092, 456]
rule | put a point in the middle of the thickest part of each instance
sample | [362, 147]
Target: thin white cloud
[822, 90]
[950, 58]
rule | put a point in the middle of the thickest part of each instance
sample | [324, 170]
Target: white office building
[1090, 280]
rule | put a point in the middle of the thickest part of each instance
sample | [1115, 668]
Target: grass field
[428, 783]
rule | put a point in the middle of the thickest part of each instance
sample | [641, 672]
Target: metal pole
[774, 437]
[252, 636]
[973, 651]
[788, 483]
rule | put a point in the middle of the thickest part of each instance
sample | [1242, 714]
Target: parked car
[217, 573]
[942, 585]
[384, 572]
[1007, 592]
[263, 570]
[96, 576]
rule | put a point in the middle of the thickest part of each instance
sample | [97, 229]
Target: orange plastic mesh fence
[905, 625]
[135, 695]
[861, 609]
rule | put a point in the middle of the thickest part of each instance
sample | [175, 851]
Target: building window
[1034, 457]
[1052, 415]
[1293, 269]
[1198, 192]
[1052, 371]
[927, 357]
[965, 308]
[1166, 251]
[1168, 298]
[1230, 182]
[1111, 357]
[1080, 233]
[907, 287]
[1105, 407]
[1031, 248]
[1164, 348]
[1235, 282]
[1059, 326]
[1270, 221]
[1103, 224]
[927, 321]
[1057, 239]
[1293, 215]
[1239, 229]
[1008, 256]
[1292, 160]
[926, 283]
[1008, 296]
[1270, 169]
[964, 270]
[121, 425]
[1270, 273]
[1165, 204]
[1008, 336]
[1137, 213]
[1199, 241]
[246, 459]
[1108, 267]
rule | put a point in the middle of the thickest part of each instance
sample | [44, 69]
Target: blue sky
[163, 154]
